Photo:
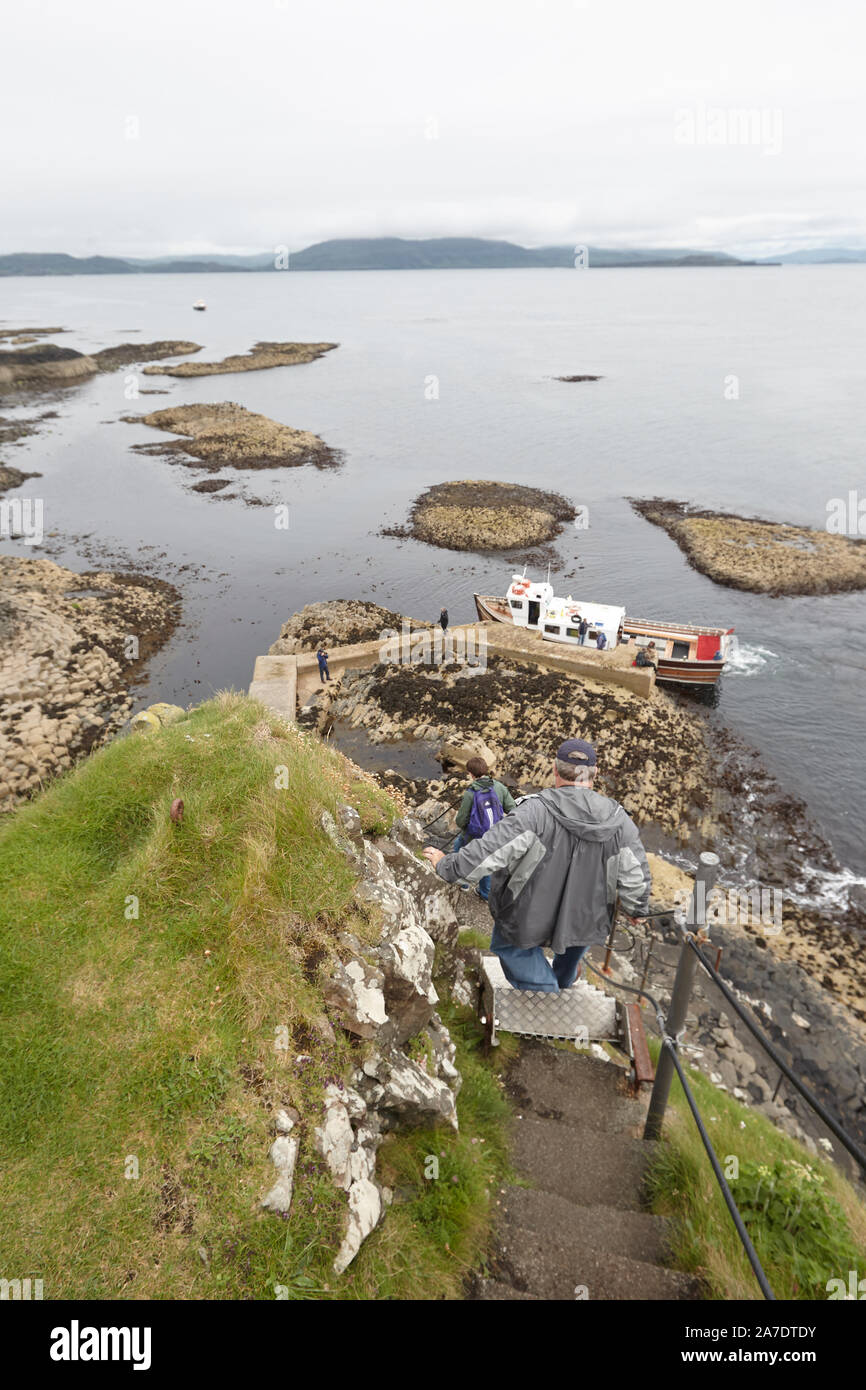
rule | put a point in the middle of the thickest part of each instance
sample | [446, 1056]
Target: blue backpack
[486, 811]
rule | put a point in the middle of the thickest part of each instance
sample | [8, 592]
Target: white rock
[335, 1139]
[365, 1209]
[283, 1155]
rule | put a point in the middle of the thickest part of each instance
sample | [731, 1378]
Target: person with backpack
[322, 658]
[485, 802]
[559, 863]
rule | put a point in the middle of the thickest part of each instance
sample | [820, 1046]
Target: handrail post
[696, 916]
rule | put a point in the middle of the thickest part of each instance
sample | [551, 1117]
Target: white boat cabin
[535, 605]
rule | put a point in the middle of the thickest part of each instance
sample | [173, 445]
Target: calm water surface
[666, 342]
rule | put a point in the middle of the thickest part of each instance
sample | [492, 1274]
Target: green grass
[151, 975]
[807, 1223]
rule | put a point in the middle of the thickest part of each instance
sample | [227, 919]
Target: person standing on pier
[322, 658]
[443, 619]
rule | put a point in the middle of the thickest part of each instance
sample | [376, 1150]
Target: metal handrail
[845, 1139]
[671, 1045]
[853, 1148]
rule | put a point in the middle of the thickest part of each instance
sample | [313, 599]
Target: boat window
[680, 651]
[572, 632]
[517, 603]
[551, 627]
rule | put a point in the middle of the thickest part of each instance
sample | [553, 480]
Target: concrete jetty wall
[285, 682]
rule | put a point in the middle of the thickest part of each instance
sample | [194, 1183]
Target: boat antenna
[524, 571]
[548, 572]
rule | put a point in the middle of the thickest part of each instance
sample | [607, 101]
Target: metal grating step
[580, 1013]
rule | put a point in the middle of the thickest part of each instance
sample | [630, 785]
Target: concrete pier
[275, 683]
[285, 682]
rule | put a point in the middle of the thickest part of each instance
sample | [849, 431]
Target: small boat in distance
[199, 304]
[683, 652]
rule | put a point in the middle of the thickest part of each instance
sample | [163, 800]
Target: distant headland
[374, 253]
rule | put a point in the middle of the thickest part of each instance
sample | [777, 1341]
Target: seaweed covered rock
[339, 622]
[763, 557]
[478, 515]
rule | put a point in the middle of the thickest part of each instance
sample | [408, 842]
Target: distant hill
[57, 263]
[823, 255]
[370, 253]
[49, 263]
[474, 253]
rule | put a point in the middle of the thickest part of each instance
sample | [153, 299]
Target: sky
[181, 126]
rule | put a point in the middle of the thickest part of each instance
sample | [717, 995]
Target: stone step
[578, 1094]
[541, 1068]
[584, 1165]
[492, 1290]
[639, 1235]
[549, 1269]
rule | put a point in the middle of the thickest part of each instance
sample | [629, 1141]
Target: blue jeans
[484, 883]
[530, 969]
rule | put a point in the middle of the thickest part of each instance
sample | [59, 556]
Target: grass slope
[807, 1223]
[158, 982]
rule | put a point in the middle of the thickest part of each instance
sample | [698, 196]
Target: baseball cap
[577, 751]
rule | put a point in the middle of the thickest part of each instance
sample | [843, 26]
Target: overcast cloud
[178, 126]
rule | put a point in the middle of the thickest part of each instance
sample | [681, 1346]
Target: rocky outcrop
[45, 365]
[260, 356]
[216, 436]
[472, 515]
[763, 557]
[384, 993]
[13, 477]
[338, 622]
[69, 644]
[284, 1155]
[653, 754]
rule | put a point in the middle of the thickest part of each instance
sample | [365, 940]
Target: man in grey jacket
[558, 863]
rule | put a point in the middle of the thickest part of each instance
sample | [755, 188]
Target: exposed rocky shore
[472, 515]
[13, 477]
[763, 557]
[216, 436]
[66, 660]
[260, 356]
[337, 623]
[653, 754]
[46, 366]
[28, 335]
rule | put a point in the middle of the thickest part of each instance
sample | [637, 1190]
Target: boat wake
[747, 660]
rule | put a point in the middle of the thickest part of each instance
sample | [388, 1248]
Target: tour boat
[199, 304]
[684, 653]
